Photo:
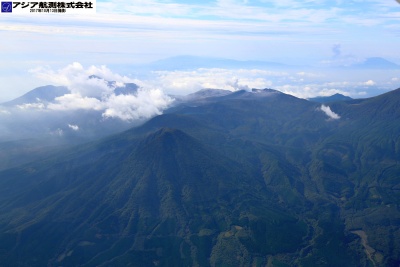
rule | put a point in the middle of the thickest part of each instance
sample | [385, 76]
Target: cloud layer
[133, 32]
[94, 89]
[303, 83]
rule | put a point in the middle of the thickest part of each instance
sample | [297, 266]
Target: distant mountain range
[41, 94]
[28, 118]
[17, 125]
[49, 93]
[195, 62]
[257, 178]
[332, 98]
[27, 127]
[376, 63]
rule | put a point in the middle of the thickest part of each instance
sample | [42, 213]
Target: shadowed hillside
[244, 179]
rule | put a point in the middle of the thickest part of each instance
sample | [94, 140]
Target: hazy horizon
[317, 36]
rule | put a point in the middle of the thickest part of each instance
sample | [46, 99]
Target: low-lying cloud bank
[94, 89]
[99, 101]
[300, 83]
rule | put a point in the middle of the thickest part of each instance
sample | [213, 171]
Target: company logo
[6, 7]
[42, 7]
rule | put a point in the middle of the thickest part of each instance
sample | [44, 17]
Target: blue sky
[302, 32]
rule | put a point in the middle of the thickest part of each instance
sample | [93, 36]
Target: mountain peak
[43, 93]
[333, 98]
[377, 63]
[207, 93]
[259, 176]
[95, 77]
[166, 133]
[166, 141]
[253, 94]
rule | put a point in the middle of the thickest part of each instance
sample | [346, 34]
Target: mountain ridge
[376, 63]
[43, 93]
[238, 180]
[328, 99]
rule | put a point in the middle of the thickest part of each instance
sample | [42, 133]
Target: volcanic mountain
[329, 99]
[255, 178]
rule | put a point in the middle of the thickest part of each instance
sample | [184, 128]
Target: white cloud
[141, 26]
[31, 106]
[327, 110]
[76, 78]
[308, 74]
[151, 99]
[370, 83]
[145, 104]
[185, 82]
[74, 102]
[73, 127]
[88, 92]
[302, 84]
[4, 112]
[314, 89]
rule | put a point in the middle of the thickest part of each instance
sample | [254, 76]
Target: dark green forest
[245, 179]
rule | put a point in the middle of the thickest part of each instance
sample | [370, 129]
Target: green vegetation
[237, 180]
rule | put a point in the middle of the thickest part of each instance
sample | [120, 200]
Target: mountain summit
[44, 93]
[376, 63]
[255, 178]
